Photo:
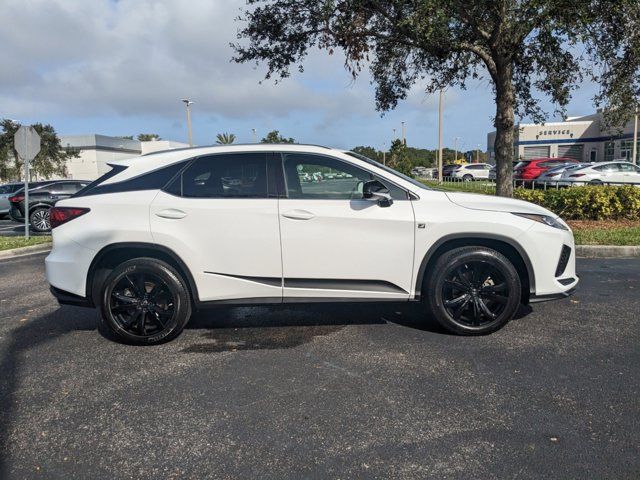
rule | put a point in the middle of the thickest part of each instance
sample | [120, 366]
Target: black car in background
[41, 199]
[8, 190]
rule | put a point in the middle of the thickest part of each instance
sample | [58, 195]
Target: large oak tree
[526, 48]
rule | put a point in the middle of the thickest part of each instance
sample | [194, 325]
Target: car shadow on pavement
[287, 326]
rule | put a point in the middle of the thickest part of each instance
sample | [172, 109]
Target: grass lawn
[606, 232]
[7, 243]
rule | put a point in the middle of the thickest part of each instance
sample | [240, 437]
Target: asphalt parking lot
[323, 392]
[9, 228]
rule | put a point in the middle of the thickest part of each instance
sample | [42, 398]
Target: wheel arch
[505, 245]
[116, 253]
[39, 205]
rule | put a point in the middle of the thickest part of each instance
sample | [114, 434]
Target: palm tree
[225, 138]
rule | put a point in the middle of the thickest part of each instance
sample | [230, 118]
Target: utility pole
[384, 153]
[440, 137]
[455, 147]
[478, 154]
[255, 135]
[404, 135]
[635, 139]
[188, 104]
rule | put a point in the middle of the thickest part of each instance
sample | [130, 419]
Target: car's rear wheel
[40, 220]
[473, 290]
[145, 301]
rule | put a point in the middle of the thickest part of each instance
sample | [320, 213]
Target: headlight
[546, 219]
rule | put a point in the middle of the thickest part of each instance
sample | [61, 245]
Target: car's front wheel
[145, 301]
[467, 177]
[40, 220]
[473, 290]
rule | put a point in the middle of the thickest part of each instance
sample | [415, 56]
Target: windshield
[413, 181]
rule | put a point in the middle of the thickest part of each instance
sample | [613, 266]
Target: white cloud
[140, 57]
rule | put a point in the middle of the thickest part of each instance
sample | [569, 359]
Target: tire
[595, 182]
[467, 177]
[145, 301]
[39, 220]
[464, 282]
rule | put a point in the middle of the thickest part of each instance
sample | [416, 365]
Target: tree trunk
[505, 132]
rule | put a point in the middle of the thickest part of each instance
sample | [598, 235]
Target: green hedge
[588, 202]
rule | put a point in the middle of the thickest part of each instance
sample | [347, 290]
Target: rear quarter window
[154, 180]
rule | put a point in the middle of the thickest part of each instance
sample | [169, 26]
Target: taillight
[16, 198]
[576, 175]
[60, 215]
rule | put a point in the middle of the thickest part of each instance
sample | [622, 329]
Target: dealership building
[585, 139]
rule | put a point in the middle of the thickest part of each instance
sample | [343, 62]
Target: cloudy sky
[120, 67]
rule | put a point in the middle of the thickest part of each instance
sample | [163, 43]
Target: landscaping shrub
[588, 202]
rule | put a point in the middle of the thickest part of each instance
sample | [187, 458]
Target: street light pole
[440, 137]
[255, 135]
[404, 134]
[635, 138]
[188, 104]
[455, 147]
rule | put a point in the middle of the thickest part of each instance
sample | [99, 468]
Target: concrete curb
[16, 252]
[607, 251]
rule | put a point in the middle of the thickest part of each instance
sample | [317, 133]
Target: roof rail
[277, 145]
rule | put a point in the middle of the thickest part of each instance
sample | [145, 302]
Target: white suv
[472, 171]
[163, 234]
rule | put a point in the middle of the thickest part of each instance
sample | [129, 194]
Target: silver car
[616, 172]
[554, 175]
[7, 190]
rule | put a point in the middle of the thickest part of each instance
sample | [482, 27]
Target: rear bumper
[66, 298]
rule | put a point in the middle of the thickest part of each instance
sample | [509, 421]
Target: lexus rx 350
[166, 233]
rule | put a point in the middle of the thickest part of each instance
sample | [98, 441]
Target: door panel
[222, 224]
[335, 244]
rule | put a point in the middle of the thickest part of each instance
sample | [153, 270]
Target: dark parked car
[9, 189]
[41, 199]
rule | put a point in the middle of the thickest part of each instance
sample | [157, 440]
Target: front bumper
[554, 296]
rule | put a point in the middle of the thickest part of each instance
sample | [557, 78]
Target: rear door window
[232, 175]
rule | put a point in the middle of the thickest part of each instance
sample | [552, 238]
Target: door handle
[298, 215]
[172, 213]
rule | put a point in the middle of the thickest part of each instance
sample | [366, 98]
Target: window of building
[241, 175]
[319, 177]
[626, 150]
[609, 151]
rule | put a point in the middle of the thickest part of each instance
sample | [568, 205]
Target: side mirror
[377, 191]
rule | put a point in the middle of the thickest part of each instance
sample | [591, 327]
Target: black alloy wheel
[145, 301]
[40, 220]
[474, 290]
[475, 293]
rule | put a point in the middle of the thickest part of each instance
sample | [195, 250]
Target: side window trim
[285, 193]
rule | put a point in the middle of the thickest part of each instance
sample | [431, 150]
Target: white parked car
[616, 172]
[554, 175]
[472, 171]
[162, 235]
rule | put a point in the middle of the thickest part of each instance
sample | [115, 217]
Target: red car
[528, 170]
